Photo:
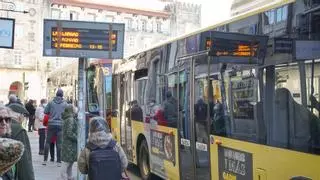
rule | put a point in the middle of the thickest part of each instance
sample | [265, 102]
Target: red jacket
[45, 123]
[45, 120]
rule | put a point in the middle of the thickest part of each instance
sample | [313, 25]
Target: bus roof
[269, 6]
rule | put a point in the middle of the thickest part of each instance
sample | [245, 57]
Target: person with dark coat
[54, 109]
[200, 113]
[170, 110]
[219, 120]
[24, 167]
[135, 111]
[31, 109]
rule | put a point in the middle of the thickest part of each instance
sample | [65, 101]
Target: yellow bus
[238, 100]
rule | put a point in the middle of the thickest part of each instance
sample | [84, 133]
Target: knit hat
[98, 124]
[59, 92]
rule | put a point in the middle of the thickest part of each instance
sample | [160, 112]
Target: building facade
[24, 70]
[21, 68]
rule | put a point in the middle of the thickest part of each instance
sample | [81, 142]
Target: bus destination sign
[83, 39]
[236, 47]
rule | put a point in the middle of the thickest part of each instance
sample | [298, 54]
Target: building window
[55, 14]
[91, 17]
[143, 25]
[131, 41]
[128, 23]
[159, 26]
[17, 58]
[282, 14]
[109, 18]
[269, 17]
[74, 15]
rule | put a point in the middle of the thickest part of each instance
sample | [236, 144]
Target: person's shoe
[44, 163]
[59, 164]
[51, 160]
[41, 152]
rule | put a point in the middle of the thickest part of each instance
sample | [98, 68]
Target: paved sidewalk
[48, 172]
[51, 171]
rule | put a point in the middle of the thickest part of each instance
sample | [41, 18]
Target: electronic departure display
[221, 47]
[83, 39]
[236, 47]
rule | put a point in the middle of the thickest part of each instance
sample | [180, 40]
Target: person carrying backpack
[103, 158]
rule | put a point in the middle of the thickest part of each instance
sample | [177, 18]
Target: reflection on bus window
[135, 111]
[236, 104]
[92, 88]
[170, 112]
[200, 111]
[295, 125]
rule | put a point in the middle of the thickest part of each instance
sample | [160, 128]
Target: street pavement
[51, 171]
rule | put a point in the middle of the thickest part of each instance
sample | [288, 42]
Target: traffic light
[26, 85]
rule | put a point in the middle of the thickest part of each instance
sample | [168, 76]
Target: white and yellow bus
[235, 101]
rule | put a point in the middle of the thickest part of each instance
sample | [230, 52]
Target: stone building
[24, 70]
[24, 64]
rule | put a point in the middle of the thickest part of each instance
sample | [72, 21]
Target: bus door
[125, 119]
[194, 120]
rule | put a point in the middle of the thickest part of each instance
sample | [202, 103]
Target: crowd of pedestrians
[57, 125]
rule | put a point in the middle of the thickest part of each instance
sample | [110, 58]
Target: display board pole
[82, 108]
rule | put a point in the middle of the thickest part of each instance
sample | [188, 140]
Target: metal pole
[82, 108]
[24, 89]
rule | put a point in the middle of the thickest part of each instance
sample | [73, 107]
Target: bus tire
[144, 161]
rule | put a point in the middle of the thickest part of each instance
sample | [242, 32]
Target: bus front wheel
[144, 163]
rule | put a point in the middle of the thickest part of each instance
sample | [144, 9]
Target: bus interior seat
[300, 127]
[290, 124]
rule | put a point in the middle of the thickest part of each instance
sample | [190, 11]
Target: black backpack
[104, 163]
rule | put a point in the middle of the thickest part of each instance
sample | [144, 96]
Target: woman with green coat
[69, 142]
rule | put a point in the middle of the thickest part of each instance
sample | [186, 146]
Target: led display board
[7, 33]
[83, 39]
[236, 47]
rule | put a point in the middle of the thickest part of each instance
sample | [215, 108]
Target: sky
[213, 11]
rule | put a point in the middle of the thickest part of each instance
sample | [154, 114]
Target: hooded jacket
[100, 139]
[69, 136]
[55, 108]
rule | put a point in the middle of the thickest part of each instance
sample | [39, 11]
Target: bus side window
[294, 125]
